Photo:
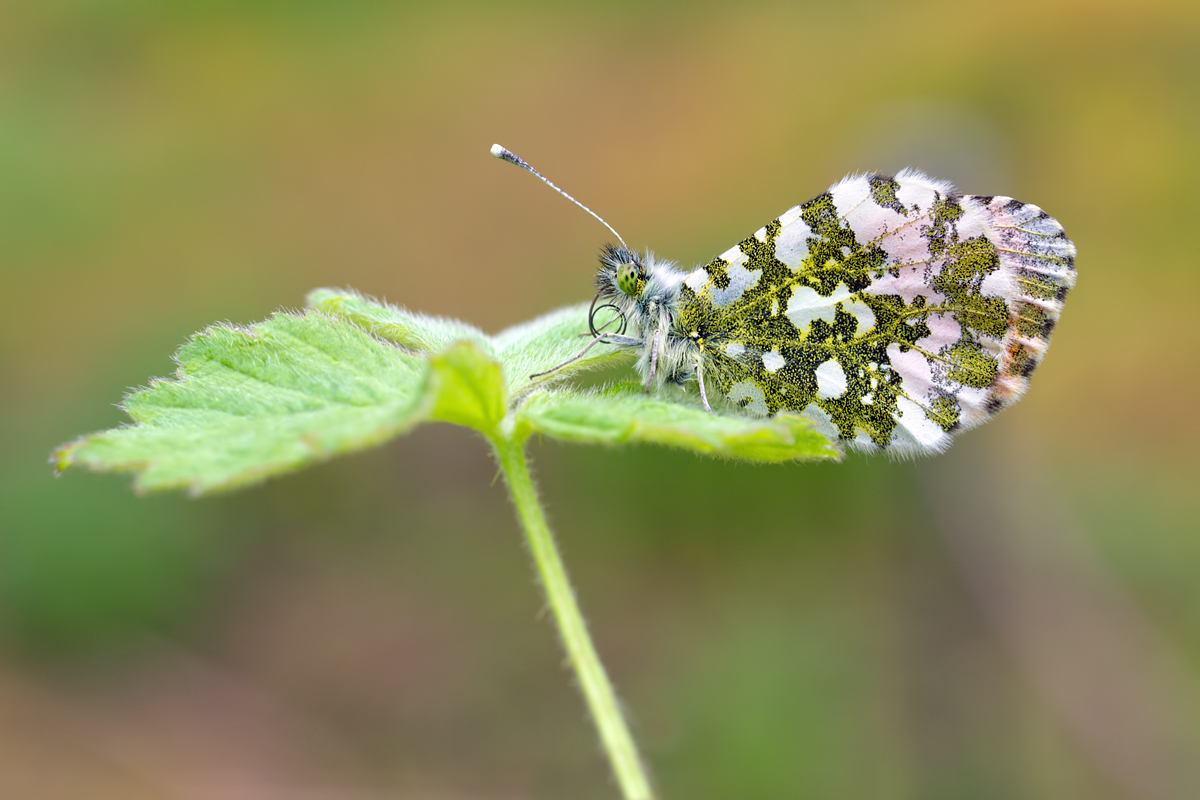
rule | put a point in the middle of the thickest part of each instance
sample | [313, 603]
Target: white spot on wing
[916, 377]
[998, 284]
[789, 216]
[791, 246]
[904, 244]
[873, 224]
[944, 331]
[863, 440]
[831, 380]
[772, 361]
[862, 312]
[917, 188]
[805, 305]
[746, 390]
[734, 349]
[974, 220]
[972, 405]
[917, 429]
[740, 279]
[908, 283]
[696, 279]
[849, 194]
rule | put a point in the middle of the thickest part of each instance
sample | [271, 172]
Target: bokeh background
[1018, 618]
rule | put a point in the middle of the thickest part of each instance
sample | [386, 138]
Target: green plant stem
[597, 689]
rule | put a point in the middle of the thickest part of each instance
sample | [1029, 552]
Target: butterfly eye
[630, 279]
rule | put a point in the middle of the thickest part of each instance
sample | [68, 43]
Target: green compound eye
[629, 279]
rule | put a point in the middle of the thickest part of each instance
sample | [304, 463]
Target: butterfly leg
[653, 359]
[607, 338]
[700, 380]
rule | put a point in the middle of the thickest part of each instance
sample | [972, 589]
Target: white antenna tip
[498, 151]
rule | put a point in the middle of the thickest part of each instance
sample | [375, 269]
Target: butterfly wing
[891, 310]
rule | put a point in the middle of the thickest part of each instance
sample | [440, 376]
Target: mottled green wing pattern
[891, 310]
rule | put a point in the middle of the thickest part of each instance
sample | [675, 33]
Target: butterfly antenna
[512, 158]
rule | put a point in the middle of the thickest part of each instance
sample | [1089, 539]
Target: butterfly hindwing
[889, 309]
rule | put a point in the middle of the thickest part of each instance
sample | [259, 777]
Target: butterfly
[891, 310]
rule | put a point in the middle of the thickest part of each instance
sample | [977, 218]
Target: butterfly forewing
[891, 310]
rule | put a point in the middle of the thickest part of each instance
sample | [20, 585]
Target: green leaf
[523, 350]
[248, 403]
[547, 342]
[626, 414]
[468, 387]
[419, 332]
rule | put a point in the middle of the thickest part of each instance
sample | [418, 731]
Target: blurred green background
[1018, 618]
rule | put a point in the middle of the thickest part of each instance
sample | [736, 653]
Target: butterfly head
[621, 272]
